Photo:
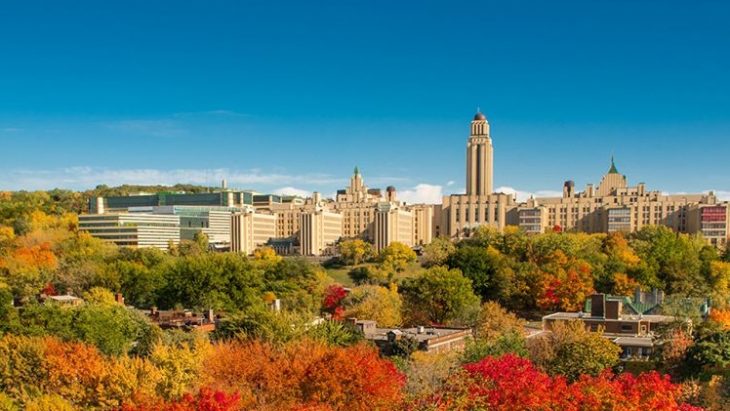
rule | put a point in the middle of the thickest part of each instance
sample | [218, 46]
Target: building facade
[251, 230]
[320, 231]
[611, 206]
[136, 230]
[392, 223]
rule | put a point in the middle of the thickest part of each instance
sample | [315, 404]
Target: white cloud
[722, 195]
[450, 183]
[291, 191]
[524, 195]
[88, 177]
[422, 193]
[155, 128]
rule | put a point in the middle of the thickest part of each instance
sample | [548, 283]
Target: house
[183, 319]
[634, 333]
[428, 339]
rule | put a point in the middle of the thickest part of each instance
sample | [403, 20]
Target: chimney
[613, 310]
[100, 205]
[598, 305]
[638, 296]
[277, 305]
[568, 189]
[421, 329]
[119, 298]
[210, 315]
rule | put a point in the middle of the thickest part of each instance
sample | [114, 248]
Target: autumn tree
[395, 257]
[494, 322]
[371, 302]
[513, 383]
[304, 375]
[571, 350]
[355, 252]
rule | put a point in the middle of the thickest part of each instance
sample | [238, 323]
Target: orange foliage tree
[304, 374]
[567, 283]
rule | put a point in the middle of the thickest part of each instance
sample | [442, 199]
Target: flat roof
[623, 317]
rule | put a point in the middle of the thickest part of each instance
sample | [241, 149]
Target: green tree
[710, 354]
[263, 324]
[439, 296]
[486, 268]
[334, 333]
[508, 343]
[438, 252]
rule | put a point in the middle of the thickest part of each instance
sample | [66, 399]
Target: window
[626, 327]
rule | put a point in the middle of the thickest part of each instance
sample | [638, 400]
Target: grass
[340, 274]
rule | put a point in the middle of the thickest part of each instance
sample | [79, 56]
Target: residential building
[428, 339]
[137, 230]
[631, 330]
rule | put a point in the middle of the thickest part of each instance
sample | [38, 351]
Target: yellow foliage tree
[372, 302]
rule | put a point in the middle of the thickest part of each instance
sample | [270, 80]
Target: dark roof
[479, 116]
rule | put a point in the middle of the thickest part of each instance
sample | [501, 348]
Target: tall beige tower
[479, 158]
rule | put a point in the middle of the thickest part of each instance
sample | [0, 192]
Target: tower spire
[613, 169]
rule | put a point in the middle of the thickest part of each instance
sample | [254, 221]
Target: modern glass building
[135, 230]
[100, 205]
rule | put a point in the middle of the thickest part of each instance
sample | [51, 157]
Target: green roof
[636, 307]
[613, 169]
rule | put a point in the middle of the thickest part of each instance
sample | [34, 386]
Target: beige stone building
[251, 230]
[393, 223]
[462, 213]
[712, 220]
[320, 231]
[611, 206]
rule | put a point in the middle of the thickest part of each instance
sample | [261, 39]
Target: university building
[244, 220]
[611, 206]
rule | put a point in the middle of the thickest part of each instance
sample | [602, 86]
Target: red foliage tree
[332, 302]
[513, 383]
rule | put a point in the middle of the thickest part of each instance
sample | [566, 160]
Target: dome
[479, 116]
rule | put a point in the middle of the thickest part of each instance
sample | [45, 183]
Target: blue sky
[290, 96]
